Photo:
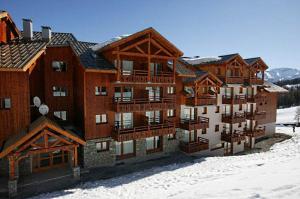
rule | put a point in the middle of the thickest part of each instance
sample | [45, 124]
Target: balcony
[255, 133]
[232, 79]
[255, 98]
[235, 118]
[141, 76]
[202, 100]
[192, 147]
[193, 124]
[143, 131]
[254, 80]
[237, 99]
[255, 115]
[127, 104]
[236, 136]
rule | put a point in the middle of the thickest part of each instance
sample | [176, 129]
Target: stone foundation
[76, 173]
[92, 158]
[12, 188]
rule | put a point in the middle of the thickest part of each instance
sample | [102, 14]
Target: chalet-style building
[129, 99]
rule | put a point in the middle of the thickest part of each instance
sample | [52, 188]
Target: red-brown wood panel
[14, 85]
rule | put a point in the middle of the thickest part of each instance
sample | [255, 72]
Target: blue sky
[266, 28]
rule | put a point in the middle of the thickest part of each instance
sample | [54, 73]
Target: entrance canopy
[43, 136]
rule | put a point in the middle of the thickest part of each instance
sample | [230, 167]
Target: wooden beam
[161, 47]
[149, 57]
[134, 45]
[142, 55]
[174, 70]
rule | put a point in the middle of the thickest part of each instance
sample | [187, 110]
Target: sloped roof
[197, 60]
[39, 124]
[252, 60]
[273, 88]
[198, 73]
[124, 38]
[16, 54]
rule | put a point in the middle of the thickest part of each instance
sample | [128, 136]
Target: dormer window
[59, 66]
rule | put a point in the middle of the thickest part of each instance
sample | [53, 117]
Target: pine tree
[297, 116]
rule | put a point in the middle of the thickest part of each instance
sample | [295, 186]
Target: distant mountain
[280, 74]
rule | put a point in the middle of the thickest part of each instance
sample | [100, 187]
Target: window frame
[3, 105]
[101, 118]
[102, 149]
[60, 114]
[99, 89]
[59, 90]
[60, 62]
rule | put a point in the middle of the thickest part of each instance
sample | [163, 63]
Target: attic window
[59, 66]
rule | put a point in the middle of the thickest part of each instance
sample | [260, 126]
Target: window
[217, 128]
[239, 142]
[203, 131]
[240, 107]
[218, 90]
[170, 90]
[125, 149]
[171, 113]
[241, 89]
[153, 143]
[59, 91]
[59, 66]
[127, 67]
[61, 115]
[204, 110]
[101, 119]
[171, 136]
[240, 124]
[102, 146]
[217, 109]
[5, 103]
[100, 90]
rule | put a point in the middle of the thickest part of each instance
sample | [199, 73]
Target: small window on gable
[101, 119]
[59, 66]
[102, 146]
[5, 103]
[100, 91]
[217, 128]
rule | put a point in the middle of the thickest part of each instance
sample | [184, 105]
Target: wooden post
[174, 70]
[75, 157]
[263, 75]
[11, 167]
[149, 58]
[118, 65]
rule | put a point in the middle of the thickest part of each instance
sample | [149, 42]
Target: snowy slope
[279, 74]
[272, 174]
[286, 115]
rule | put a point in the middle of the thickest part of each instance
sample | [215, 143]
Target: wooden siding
[14, 85]
[269, 105]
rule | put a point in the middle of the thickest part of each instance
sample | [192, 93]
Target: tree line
[292, 98]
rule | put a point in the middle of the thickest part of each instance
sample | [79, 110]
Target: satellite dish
[37, 101]
[43, 109]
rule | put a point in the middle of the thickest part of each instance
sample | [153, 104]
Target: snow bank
[286, 115]
[272, 174]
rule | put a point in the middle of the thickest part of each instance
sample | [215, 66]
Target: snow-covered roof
[105, 43]
[272, 88]
[199, 60]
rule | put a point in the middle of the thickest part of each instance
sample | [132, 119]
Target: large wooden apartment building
[128, 99]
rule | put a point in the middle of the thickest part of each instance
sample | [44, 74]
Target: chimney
[27, 29]
[46, 33]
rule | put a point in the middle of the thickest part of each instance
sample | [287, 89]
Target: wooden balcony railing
[237, 99]
[193, 124]
[255, 98]
[255, 132]
[256, 115]
[143, 131]
[202, 100]
[237, 117]
[142, 76]
[254, 80]
[231, 79]
[127, 104]
[192, 147]
[236, 136]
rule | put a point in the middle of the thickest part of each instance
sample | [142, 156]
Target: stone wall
[170, 146]
[3, 167]
[92, 158]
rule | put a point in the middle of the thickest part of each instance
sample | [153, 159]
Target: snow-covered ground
[286, 115]
[272, 174]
